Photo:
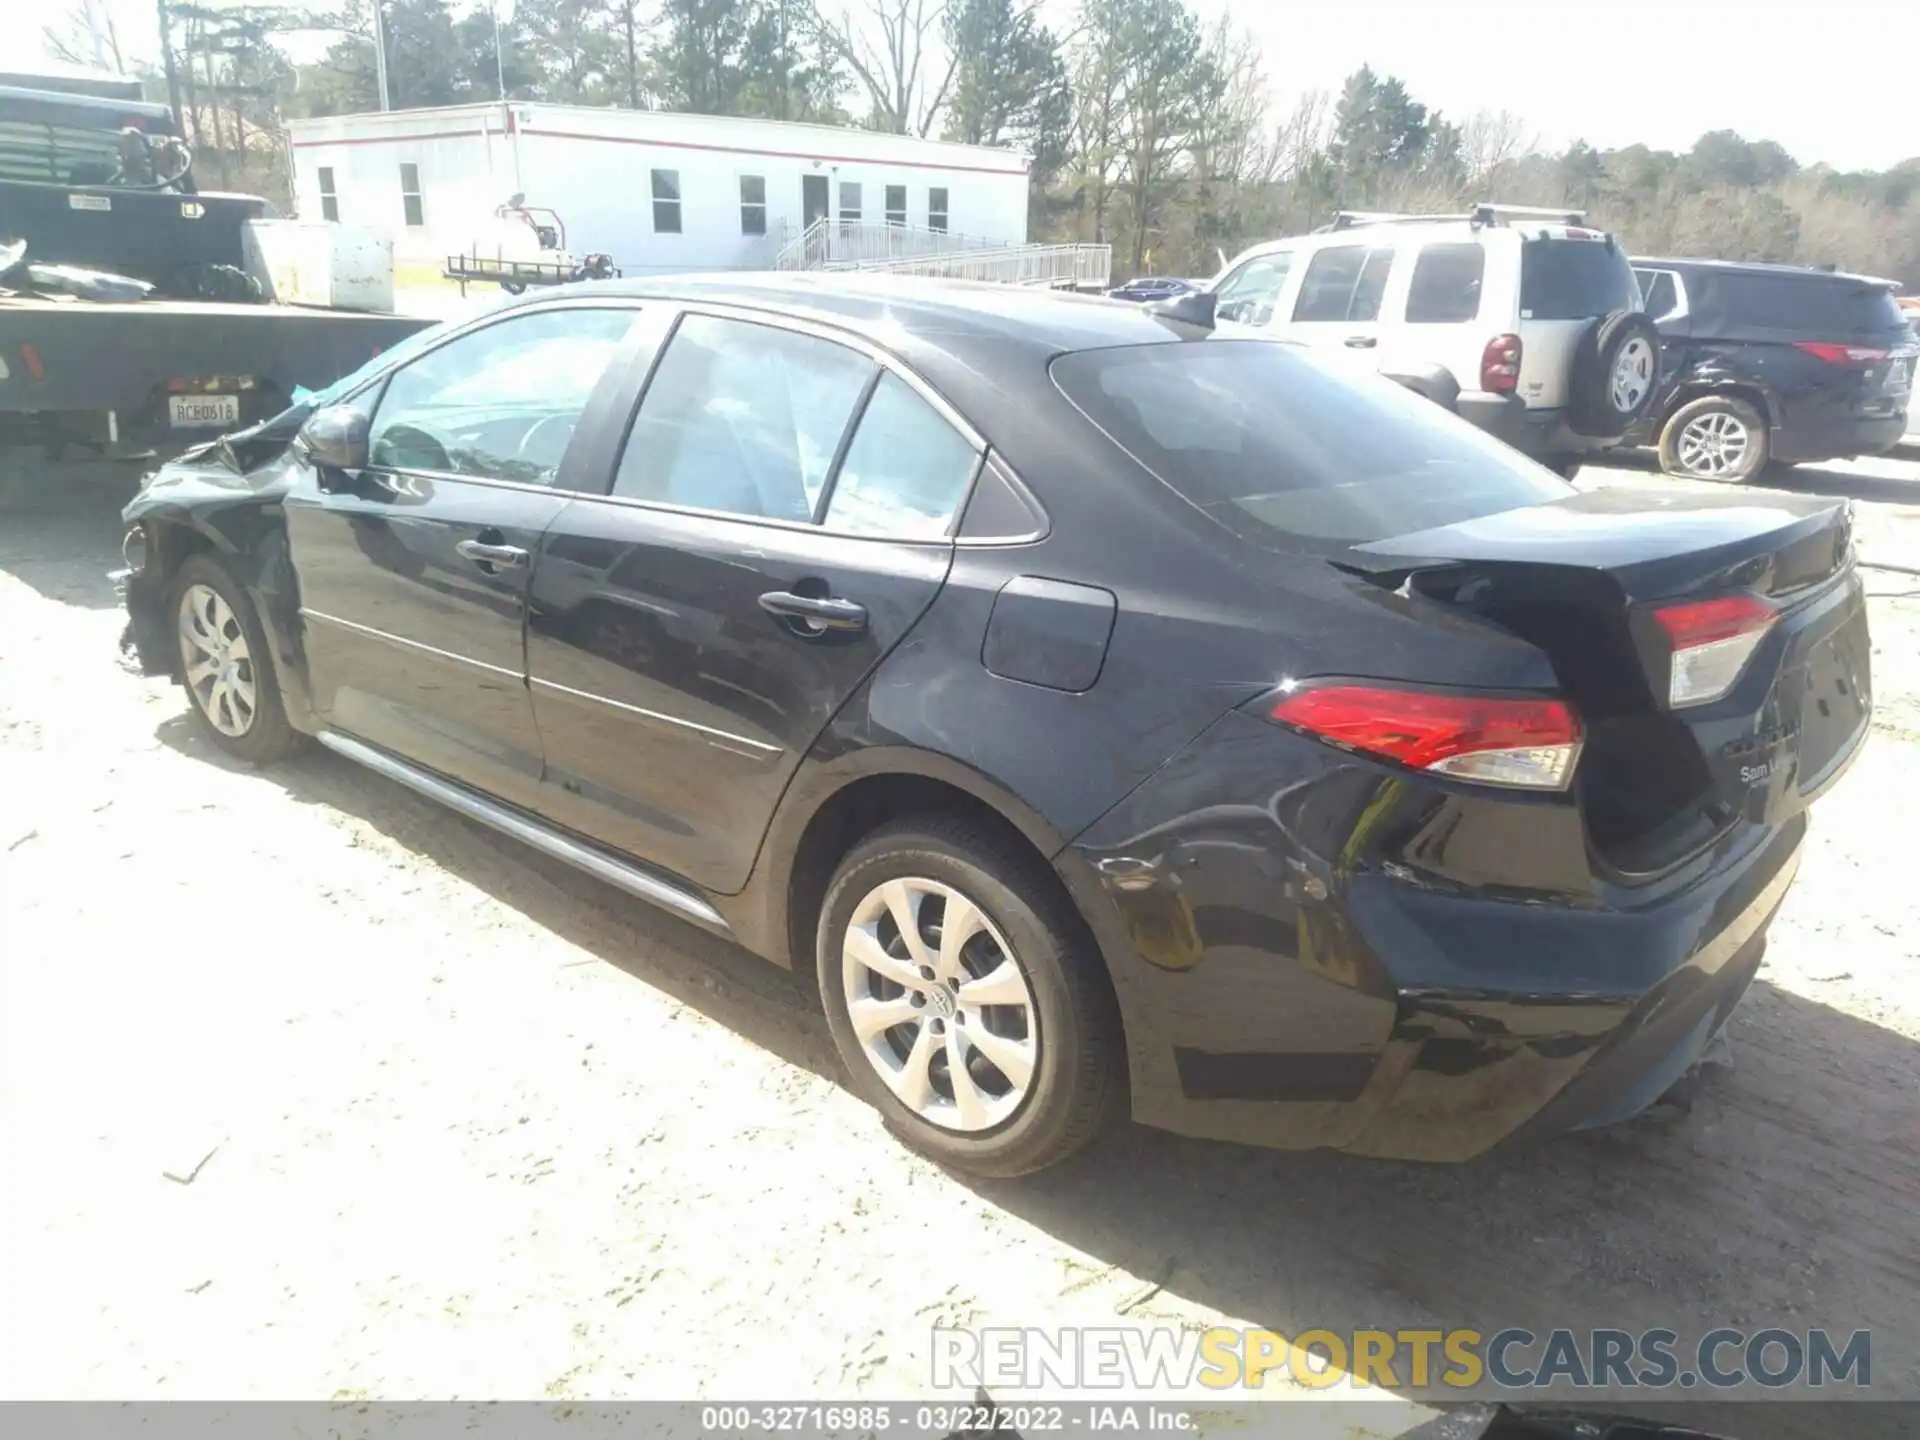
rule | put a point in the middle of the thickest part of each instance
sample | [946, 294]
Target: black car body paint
[1309, 946]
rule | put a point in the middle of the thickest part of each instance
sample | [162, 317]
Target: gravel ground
[311, 1089]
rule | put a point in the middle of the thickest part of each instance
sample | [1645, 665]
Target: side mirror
[336, 438]
[1196, 307]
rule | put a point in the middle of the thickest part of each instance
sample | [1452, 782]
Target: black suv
[1772, 362]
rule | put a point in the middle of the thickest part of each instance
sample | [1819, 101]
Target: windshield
[1575, 280]
[1294, 451]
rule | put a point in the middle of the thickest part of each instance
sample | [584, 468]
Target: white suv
[1524, 321]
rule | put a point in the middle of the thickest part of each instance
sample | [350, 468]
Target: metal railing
[829, 244]
[1066, 266]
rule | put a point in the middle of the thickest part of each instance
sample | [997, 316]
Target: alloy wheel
[940, 1005]
[1632, 375]
[1714, 445]
[215, 661]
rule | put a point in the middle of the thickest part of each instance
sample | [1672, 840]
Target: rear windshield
[1808, 304]
[1575, 280]
[1292, 450]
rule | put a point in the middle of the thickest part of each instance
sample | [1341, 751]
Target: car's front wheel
[962, 1002]
[226, 666]
[1717, 437]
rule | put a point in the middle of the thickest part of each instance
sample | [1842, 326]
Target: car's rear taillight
[1500, 365]
[1532, 744]
[30, 358]
[1712, 641]
[1841, 354]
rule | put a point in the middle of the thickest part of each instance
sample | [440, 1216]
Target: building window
[937, 208]
[666, 202]
[410, 195]
[849, 202]
[896, 204]
[329, 197]
[753, 204]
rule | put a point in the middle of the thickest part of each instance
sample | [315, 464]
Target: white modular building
[659, 192]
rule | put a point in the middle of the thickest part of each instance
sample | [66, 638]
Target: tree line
[1148, 129]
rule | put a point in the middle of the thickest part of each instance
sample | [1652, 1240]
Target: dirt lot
[308, 1088]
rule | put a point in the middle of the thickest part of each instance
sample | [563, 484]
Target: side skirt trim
[635, 881]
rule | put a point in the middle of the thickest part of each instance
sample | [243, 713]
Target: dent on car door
[413, 571]
[779, 519]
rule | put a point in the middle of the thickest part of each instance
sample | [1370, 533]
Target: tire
[514, 287]
[257, 731]
[1616, 369]
[1565, 466]
[1687, 447]
[1055, 1013]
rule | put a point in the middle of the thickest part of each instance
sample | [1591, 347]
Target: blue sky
[1832, 80]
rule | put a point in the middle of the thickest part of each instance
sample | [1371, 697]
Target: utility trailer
[93, 177]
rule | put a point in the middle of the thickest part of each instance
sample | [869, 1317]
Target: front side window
[1248, 295]
[1288, 449]
[410, 199]
[500, 403]
[1446, 284]
[753, 204]
[666, 202]
[896, 204]
[937, 208]
[906, 472]
[329, 197]
[849, 202]
[1344, 282]
[742, 418]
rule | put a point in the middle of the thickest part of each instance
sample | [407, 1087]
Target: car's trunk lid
[1582, 578]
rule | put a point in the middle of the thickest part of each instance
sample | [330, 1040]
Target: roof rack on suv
[1486, 213]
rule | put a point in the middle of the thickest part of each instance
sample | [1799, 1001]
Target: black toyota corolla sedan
[1100, 707]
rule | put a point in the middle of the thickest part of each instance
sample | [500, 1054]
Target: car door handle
[1361, 342]
[510, 557]
[825, 613]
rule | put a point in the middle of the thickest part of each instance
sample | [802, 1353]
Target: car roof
[1760, 267]
[888, 310]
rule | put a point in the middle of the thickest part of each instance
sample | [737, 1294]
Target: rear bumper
[1369, 962]
[1532, 432]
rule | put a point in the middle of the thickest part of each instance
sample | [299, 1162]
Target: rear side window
[1807, 304]
[906, 471]
[742, 418]
[1446, 285]
[1294, 451]
[1344, 282]
[1574, 280]
[1659, 291]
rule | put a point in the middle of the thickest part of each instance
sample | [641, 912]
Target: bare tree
[1490, 140]
[85, 35]
[894, 49]
[1302, 137]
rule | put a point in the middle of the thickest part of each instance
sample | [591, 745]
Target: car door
[413, 572]
[1340, 300]
[778, 519]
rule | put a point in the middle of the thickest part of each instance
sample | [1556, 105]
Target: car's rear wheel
[226, 665]
[1717, 437]
[961, 1003]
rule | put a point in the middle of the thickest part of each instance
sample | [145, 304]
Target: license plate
[202, 412]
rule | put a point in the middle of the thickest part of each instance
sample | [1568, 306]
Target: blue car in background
[1154, 287]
